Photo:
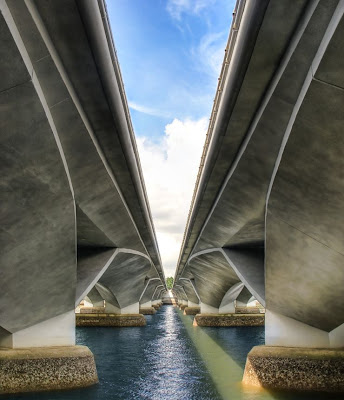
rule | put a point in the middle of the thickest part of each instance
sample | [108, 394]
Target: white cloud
[147, 110]
[210, 52]
[170, 170]
[177, 7]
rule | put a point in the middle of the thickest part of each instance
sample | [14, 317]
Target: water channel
[169, 359]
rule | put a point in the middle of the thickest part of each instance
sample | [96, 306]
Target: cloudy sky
[170, 53]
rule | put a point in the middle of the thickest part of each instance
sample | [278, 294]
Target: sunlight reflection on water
[169, 359]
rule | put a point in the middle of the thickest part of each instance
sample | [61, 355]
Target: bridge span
[266, 217]
[75, 218]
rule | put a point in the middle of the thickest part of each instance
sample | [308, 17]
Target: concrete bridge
[75, 218]
[266, 216]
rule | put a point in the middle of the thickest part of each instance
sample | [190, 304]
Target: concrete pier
[298, 368]
[192, 310]
[46, 368]
[147, 310]
[224, 320]
[114, 320]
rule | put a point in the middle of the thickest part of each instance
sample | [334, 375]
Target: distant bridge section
[266, 216]
[75, 216]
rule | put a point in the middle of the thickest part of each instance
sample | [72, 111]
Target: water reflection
[224, 352]
[169, 359]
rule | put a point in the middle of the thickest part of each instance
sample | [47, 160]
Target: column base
[247, 310]
[115, 320]
[227, 320]
[192, 310]
[296, 369]
[92, 310]
[147, 310]
[46, 368]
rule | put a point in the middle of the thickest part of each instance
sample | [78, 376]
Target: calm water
[169, 359]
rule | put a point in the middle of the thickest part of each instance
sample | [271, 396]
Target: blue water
[169, 359]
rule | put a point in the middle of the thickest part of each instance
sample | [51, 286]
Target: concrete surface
[229, 320]
[111, 320]
[47, 368]
[296, 369]
[74, 205]
[266, 207]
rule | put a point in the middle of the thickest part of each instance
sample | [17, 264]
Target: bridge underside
[268, 205]
[75, 217]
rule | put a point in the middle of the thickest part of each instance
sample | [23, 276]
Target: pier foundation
[223, 320]
[192, 310]
[115, 320]
[147, 310]
[46, 368]
[295, 368]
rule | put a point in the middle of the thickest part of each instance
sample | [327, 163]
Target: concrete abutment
[295, 368]
[46, 368]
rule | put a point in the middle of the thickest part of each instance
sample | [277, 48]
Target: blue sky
[170, 53]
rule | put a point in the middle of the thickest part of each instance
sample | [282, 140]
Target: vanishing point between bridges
[256, 307]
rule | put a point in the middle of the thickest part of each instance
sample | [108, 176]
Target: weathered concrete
[113, 320]
[74, 201]
[192, 310]
[74, 208]
[46, 368]
[247, 310]
[291, 368]
[223, 320]
[267, 201]
[147, 310]
[92, 310]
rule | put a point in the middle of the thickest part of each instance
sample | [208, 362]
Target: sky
[170, 53]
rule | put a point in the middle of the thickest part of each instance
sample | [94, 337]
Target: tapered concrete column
[284, 331]
[297, 356]
[229, 308]
[57, 331]
[146, 304]
[207, 309]
[131, 309]
[111, 309]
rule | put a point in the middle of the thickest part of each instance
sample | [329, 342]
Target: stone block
[46, 368]
[147, 310]
[227, 320]
[114, 320]
[192, 310]
[295, 369]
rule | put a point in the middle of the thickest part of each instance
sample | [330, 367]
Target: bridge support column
[57, 331]
[297, 357]
[183, 304]
[148, 308]
[192, 308]
[29, 358]
[207, 309]
[227, 309]
[131, 309]
[114, 316]
[156, 304]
